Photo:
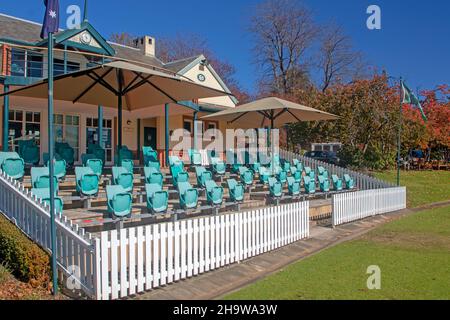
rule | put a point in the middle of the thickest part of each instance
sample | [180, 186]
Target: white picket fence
[75, 251]
[138, 259]
[353, 206]
[362, 181]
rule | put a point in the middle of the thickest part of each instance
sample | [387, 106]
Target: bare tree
[283, 30]
[337, 61]
[123, 38]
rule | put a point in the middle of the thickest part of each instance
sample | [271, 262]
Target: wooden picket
[348, 207]
[141, 258]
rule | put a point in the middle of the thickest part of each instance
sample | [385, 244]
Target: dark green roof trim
[64, 36]
[189, 104]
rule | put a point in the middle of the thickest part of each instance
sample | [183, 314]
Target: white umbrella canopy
[139, 87]
[273, 112]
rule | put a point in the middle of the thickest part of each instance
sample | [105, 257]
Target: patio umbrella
[120, 85]
[272, 112]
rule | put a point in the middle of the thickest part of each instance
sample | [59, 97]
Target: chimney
[146, 44]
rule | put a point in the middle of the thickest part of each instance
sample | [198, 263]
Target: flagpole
[399, 141]
[51, 163]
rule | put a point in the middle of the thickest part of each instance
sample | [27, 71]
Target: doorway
[150, 137]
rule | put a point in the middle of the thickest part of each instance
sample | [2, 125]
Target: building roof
[179, 65]
[17, 29]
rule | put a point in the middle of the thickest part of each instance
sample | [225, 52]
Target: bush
[25, 259]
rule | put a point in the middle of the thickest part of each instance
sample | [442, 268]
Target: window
[20, 120]
[26, 63]
[59, 67]
[67, 129]
[187, 125]
[92, 135]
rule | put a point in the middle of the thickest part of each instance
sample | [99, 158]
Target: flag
[410, 98]
[51, 18]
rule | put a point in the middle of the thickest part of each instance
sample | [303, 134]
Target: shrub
[26, 260]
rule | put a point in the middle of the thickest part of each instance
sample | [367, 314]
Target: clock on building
[86, 38]
[201, 77]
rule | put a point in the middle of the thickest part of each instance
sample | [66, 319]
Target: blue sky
[413, 43]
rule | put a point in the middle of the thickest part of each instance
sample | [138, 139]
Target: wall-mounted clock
[86, 38]
[201, 77]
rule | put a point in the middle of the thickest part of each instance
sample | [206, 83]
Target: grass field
[413, 254]
[422, 186]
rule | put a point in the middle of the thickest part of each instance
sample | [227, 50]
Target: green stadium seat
[236, 190]
[157, 198]
[86, 181]
[119, 201]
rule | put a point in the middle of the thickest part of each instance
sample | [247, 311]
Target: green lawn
[413, 254]
[422, 186]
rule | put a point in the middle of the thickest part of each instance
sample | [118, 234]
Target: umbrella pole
[119, 132]
[5, 118]
[166, 118]
[100, 126]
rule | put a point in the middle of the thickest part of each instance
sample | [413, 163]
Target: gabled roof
[178, 65]
[184, 65]
[21, 31]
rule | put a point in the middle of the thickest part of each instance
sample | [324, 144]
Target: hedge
[25, 259]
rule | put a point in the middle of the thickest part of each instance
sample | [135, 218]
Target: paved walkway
[214, 284]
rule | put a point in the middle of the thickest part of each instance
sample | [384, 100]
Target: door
[150, 137]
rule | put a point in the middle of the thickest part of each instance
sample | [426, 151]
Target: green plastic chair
[128, 164]
[150, 155]
[309, 172]
[264, 175]
[324, 184]
[337, 182]
[255, 167]
[178, 173]
[40, 178]
[153, 164]
[195, 157]
[202, 175]
[349, 182]
[285, 165]
[157, 199]
[12, 164]
[214, 193]
[282, 177]
[321, 171]
[275, 188]
[174, 160]
[97, 151]
[59, 169]
[236, 190]
[85, 157]
[293, 187]
[296, 174]
[119, 201]
[121, 176]
[86, 181]
[298, 165]
[218, 166]
[96, 165]
[29, 151]
[125, 153]
[188, 195]
[66, 152]
[153, 176]
[44, 195]
[246, 176]
[235, 167]
[310, 185]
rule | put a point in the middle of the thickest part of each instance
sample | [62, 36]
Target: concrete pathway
[214, 284]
